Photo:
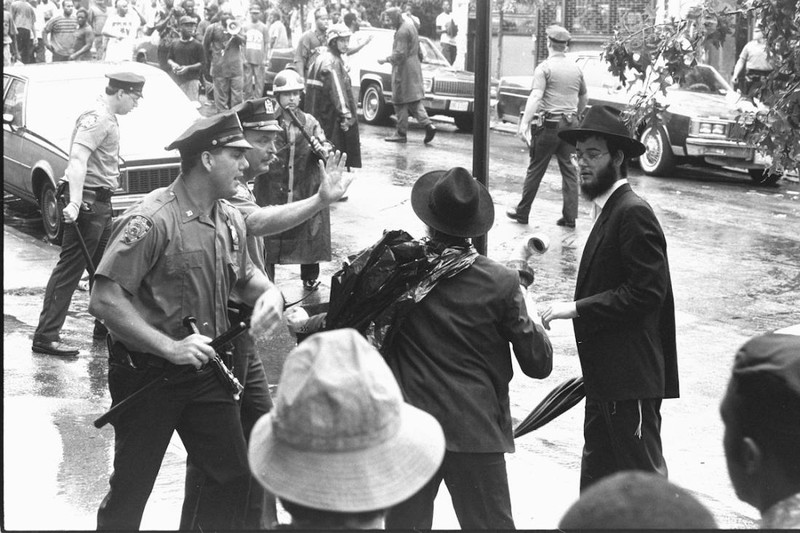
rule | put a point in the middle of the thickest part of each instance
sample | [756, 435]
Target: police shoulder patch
[136, 228]
[87, 121]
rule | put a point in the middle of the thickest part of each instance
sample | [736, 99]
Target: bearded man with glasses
[623, 312]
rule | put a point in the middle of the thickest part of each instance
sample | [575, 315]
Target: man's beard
[600, 183]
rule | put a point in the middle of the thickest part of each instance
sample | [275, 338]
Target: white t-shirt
[128, 27]
[442, 20]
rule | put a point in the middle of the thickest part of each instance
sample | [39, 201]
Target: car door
[16, 160]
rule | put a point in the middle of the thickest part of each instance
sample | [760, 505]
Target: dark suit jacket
[626, 326]
[451, 355]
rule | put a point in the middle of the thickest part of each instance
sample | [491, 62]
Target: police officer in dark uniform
[181, 251]
[260, 129]
[557, 100]
[93, 176]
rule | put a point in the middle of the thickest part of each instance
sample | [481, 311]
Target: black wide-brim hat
[605, 121]
[453, 202]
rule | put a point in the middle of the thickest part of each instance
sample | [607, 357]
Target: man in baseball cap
[341, 446]
[761, 413]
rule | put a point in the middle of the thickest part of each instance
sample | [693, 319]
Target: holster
[120, 354]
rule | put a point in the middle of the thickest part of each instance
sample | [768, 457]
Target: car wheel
[373, 105]
[51, 214]
[658, 159]
[464, 122]
[763, 176]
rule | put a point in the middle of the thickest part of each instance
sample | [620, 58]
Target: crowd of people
[371, 417]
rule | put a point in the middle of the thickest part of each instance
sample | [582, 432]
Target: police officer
[93, 176]
[557, 100]
[260, 128]
[181, 251]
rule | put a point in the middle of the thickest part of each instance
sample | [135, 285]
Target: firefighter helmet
[286, 81]
[336, 31]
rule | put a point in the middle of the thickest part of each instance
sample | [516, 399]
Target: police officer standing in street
[260, 129]
[556, 101]
[93, 175]
[181, 251]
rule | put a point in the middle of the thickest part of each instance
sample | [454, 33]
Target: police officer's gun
[322, 154]
[217, 343]
[223, 373]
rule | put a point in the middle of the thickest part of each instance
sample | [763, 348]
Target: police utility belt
[120, 354]
[97, 194]
[550, 120]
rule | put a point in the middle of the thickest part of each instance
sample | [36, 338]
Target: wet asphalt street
[734, 251]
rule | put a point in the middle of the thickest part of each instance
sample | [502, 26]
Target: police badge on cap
[127, 81]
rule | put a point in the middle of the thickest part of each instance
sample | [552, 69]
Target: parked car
[448, 91]
[41, 103]
[697, 126]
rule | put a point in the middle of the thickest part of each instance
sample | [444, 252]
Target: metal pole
[480, 139]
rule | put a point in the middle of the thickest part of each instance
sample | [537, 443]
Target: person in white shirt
[122, 28]
[447, 30]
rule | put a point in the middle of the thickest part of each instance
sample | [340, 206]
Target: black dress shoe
[513, 215]
[430, 133]
[396, 138]
[54, 348]
[566, 223]
[100, 330]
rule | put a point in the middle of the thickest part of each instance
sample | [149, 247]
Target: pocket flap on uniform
[184, 261]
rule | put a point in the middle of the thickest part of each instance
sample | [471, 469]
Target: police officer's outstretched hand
[71, 212]
[193, 350]
[267, 313]
[334, 181]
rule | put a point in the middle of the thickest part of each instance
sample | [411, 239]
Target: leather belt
[138, 360]
[102, 194]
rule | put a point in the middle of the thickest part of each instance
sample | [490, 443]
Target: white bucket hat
[340, 438]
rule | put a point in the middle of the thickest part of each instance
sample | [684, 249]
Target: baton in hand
[223, 373]
[319, 153]
[86, 255]
[162, 380]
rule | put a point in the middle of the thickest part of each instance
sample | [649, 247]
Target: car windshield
[381, 47]
[704, 79]
[53, 107]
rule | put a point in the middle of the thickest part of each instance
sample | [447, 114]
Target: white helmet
[336, 31]
[286, 81]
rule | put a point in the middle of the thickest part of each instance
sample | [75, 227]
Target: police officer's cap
[218, 131]
[258, 114]
[558, 34]
[186, 19]
[127, 81]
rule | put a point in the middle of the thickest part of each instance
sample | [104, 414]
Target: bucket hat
[453, 202]
[604, 121]
[340, 438]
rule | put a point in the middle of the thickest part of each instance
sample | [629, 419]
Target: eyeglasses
[135, 97]
[590, 157]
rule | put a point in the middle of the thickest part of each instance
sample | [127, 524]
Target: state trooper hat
[258, 114]
[218, 131]
[127, 81]
[558, 34]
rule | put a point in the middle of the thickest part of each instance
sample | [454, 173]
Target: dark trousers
[617, 438]
[261, 512]
[416, 109]
[25, 46]
[95, 227]
[207, 420]
[478, 485]
[308, 272]
[449, 52]
[544, 145]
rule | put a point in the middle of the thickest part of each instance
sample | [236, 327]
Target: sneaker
[566, 223]
[310, 284]
[430, 133]
[516, 217]
[396, 138]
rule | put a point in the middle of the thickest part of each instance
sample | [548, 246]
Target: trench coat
[329, 97]
[296, 164]
[406, 65]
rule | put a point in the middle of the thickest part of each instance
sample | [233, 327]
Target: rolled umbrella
[557, 402]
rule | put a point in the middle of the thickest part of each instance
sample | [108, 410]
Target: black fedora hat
[604, 121]
[453, 202]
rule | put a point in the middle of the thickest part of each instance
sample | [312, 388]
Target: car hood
[516, 82]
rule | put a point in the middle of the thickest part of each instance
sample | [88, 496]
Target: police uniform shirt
[245, 202]
[561, 82]
[176, 262]
[98, 130]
